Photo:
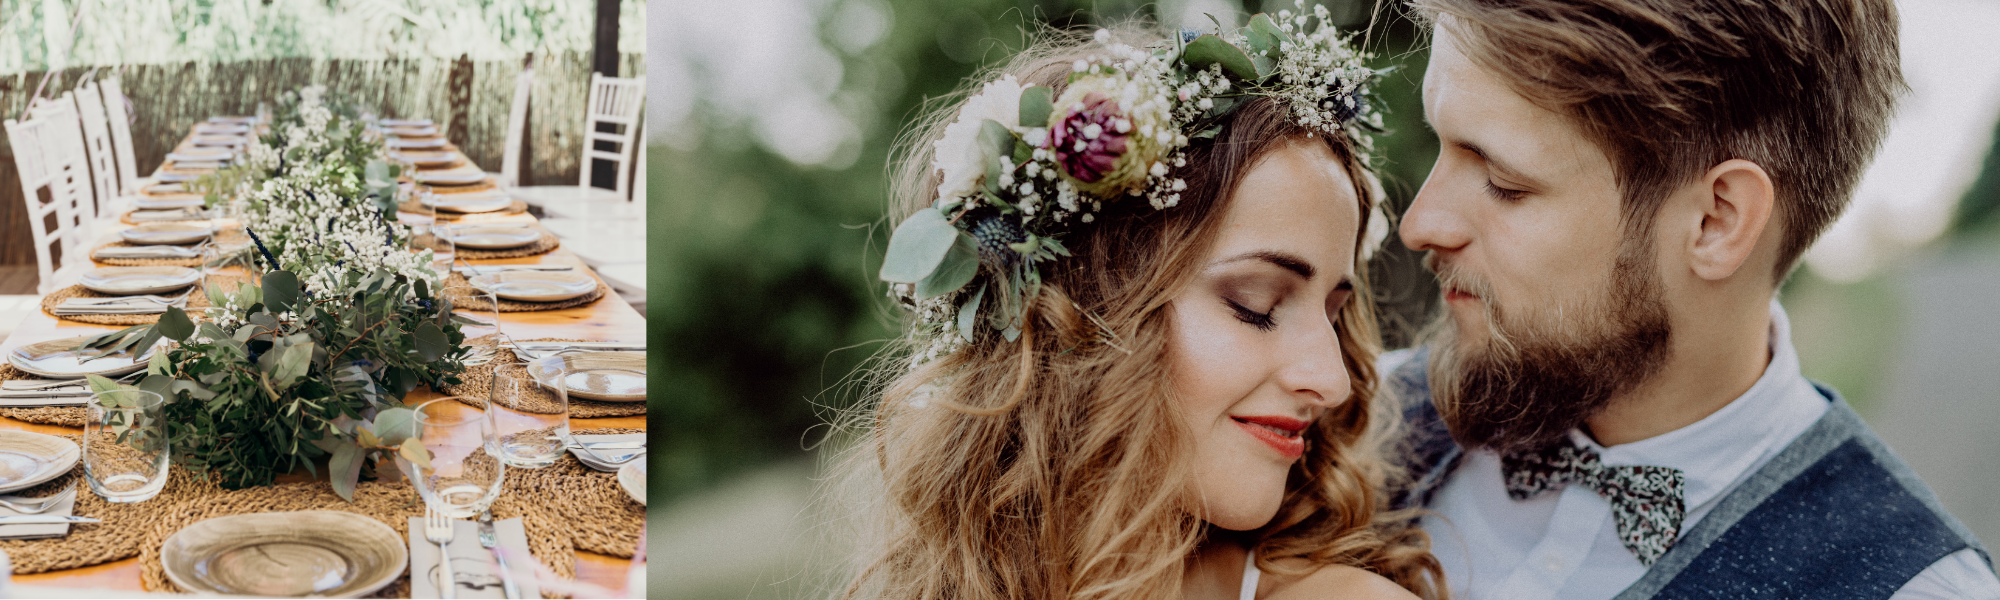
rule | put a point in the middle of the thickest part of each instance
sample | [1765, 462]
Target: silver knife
[44, 520]
[490, 540]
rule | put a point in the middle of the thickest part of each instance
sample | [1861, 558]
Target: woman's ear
[1735, 200]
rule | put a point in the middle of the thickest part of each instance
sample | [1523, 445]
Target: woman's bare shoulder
[1339, 582]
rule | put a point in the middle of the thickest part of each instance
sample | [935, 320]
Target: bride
[1141, 359]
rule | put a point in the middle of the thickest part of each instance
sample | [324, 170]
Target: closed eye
[1503, 194]
[1262, 321]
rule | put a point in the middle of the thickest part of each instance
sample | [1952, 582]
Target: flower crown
[1019, 166]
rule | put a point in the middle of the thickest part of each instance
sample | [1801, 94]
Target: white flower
[958, 155]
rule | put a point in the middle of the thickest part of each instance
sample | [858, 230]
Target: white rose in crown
[959, 155]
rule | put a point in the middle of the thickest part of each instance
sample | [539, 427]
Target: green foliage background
[763, 289]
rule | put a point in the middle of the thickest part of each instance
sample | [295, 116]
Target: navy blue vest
[1833, 515]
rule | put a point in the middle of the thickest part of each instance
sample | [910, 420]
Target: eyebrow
[1498, 165]
[1289, 262]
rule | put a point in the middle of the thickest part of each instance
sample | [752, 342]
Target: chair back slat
[121, 136]
[517, 124]
[48, 153]
[97, 150]
[616, 102]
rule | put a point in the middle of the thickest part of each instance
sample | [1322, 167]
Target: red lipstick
[1283, 434]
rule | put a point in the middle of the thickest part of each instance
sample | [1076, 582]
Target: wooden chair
[611, 123]
[116, 116]
[55, 185]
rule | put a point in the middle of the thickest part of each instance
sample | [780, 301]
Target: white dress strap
[1250, 574]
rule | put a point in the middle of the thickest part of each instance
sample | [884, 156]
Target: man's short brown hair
[1671, 88]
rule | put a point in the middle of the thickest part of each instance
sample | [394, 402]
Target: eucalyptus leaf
[1037, 103]
[413, 450]
[394, 425]
[431, 342]
[968, 314]
[960, 265]
[293, 364]
[917, 246]
[99, 384]
[1210, 50]
[344, 470]
[175, 325]
[281, 290]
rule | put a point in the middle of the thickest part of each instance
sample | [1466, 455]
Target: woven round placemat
[195, 302]
[96, 543]
[141, 262]
[68, 416]
[414, 207]
[455, 163]
[508, 306]
[477, 384]
[547, 244]
[481, 186]
[563, 507]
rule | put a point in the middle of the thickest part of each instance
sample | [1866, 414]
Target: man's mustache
[1452, 277]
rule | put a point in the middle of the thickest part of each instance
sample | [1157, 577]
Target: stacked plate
[497, 236]
[427, 158]
[536, 286]
[166, 233]
[221, 128]
[126, 281]
[416, 143]
[286, 554]
[405, 122]
[450, 178]
[29, 459]
[412, 130]
[59, 359]
[475, 202]
[601, 376]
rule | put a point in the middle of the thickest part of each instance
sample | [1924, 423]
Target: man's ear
[1735, 200]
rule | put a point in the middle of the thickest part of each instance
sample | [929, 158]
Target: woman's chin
[1243, 517]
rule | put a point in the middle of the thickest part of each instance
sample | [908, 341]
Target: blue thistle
[273, 259]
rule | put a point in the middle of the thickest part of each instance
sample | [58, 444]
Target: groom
[1612, 406]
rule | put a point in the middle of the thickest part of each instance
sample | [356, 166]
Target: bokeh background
[773, 121]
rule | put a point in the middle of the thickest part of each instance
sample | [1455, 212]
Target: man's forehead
[1468, 106]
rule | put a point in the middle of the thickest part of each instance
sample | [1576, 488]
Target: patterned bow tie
[1646, 501]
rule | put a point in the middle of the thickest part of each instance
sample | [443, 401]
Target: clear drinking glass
[125, 445]
[478, 309]
[463, 477]
[530, 419]
[436, 239]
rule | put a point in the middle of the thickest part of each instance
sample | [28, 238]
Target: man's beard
[1537, 376]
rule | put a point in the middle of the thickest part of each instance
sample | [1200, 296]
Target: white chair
[48, 154]
[97, 145]
[517, 125]
[615, 102]
[129, 180]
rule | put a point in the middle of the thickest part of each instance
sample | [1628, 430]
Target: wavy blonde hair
[1055, 466]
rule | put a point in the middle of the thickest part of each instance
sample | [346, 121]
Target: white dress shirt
[1563, 544]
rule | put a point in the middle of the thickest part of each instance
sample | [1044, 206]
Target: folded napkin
[155, 251]
[220, 128]
[472, 565]
[67, 396]
[164, 177]
[607, 452]
[29, 532]
[128, 306]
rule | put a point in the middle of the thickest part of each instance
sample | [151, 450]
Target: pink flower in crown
[1089, 140]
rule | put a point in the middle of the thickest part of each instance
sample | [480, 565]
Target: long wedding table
[608, 319]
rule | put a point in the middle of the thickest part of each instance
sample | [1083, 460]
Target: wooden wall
[168, 99]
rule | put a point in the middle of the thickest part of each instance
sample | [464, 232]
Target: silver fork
[28, 506]
[160, 299]
[437, 529]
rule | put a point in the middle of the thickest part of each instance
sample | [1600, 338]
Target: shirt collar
[1717, 450]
